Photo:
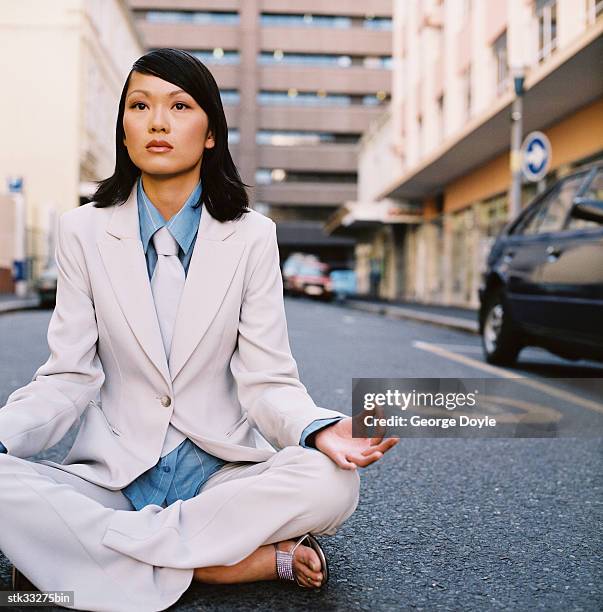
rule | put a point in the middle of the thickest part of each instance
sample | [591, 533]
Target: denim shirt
[183, 471]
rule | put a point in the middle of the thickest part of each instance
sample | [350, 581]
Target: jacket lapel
[211, 269]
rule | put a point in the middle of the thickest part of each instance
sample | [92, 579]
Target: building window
[463, 255]
[369, 22]
[375, 99]
[292, 138]
[294, 97]
[465, 10]
[262, 208]
[499, 49]
[546, 14]
[217, 56]
[271, 176]
[377, 23]
[492, 216]
[440, 117]
[305, 20]
[594, 9]
[230, 96]
[271, 58]
[192, 17]
[320, 98]
[466, 92]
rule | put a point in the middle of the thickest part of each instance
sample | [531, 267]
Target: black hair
[223, 191]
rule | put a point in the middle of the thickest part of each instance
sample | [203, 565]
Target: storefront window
[463, 253]
[493, 215]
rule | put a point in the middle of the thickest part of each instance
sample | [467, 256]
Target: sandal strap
[298, 543]
[284, 564]
[284, 561]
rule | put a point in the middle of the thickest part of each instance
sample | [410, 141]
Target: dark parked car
[544, 280]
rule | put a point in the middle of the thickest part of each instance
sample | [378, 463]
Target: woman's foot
[306, 564]
[261, 565]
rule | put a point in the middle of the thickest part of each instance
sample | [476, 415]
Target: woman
[200, 454]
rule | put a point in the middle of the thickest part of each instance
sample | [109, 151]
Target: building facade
[68, 62]
[444, 141]
[301, 81]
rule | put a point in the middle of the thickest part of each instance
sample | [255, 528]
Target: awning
[300, 234]
[365, 215]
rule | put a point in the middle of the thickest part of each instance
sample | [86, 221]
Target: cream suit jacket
[231, 384]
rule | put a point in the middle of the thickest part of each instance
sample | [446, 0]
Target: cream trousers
[65, 533]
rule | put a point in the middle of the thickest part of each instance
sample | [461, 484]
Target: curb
[402, 312]
[19, 304]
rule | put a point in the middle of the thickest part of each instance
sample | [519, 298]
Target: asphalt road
[442, 524]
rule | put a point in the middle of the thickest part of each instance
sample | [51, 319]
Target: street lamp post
[516, 136]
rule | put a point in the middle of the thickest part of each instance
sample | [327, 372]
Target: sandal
[284, 561]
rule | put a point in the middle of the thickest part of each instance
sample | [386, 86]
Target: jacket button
[166, 400]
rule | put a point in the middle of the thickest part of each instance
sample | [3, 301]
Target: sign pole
[516, 136]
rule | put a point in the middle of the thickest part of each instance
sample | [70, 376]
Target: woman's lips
[159, 149]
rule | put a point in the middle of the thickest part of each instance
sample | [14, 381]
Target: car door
[571, 278]
[525, 253]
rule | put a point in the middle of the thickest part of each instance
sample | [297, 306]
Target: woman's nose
[159, 120]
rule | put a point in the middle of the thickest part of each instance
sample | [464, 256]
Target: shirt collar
[183, 225]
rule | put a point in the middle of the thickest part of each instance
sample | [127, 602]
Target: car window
[553, 209]
[528, 219]
[525, 220]
[595, 189]
[312, 269]
[575, 224]
[593, 192]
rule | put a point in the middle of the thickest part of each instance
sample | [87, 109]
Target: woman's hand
[349, 453]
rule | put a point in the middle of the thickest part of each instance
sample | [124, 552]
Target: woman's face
[154, 112]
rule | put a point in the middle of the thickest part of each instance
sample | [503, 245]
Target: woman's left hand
[336, 442]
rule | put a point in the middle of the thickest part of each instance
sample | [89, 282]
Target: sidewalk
[10, 302]
[464, 319]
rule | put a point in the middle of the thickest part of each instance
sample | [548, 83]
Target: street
[442, 524]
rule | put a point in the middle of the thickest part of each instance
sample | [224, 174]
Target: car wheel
[500, 343]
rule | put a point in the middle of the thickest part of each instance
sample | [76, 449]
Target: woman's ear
[210, 141]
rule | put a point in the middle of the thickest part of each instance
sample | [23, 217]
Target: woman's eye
[138, 104]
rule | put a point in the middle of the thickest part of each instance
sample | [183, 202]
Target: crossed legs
[65, 533]
[260, 565]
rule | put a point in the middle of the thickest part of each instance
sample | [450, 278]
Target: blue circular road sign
[535, 156]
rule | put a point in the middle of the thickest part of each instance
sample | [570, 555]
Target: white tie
[167, 283]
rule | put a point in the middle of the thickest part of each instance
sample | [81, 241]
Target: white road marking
[496, 371]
